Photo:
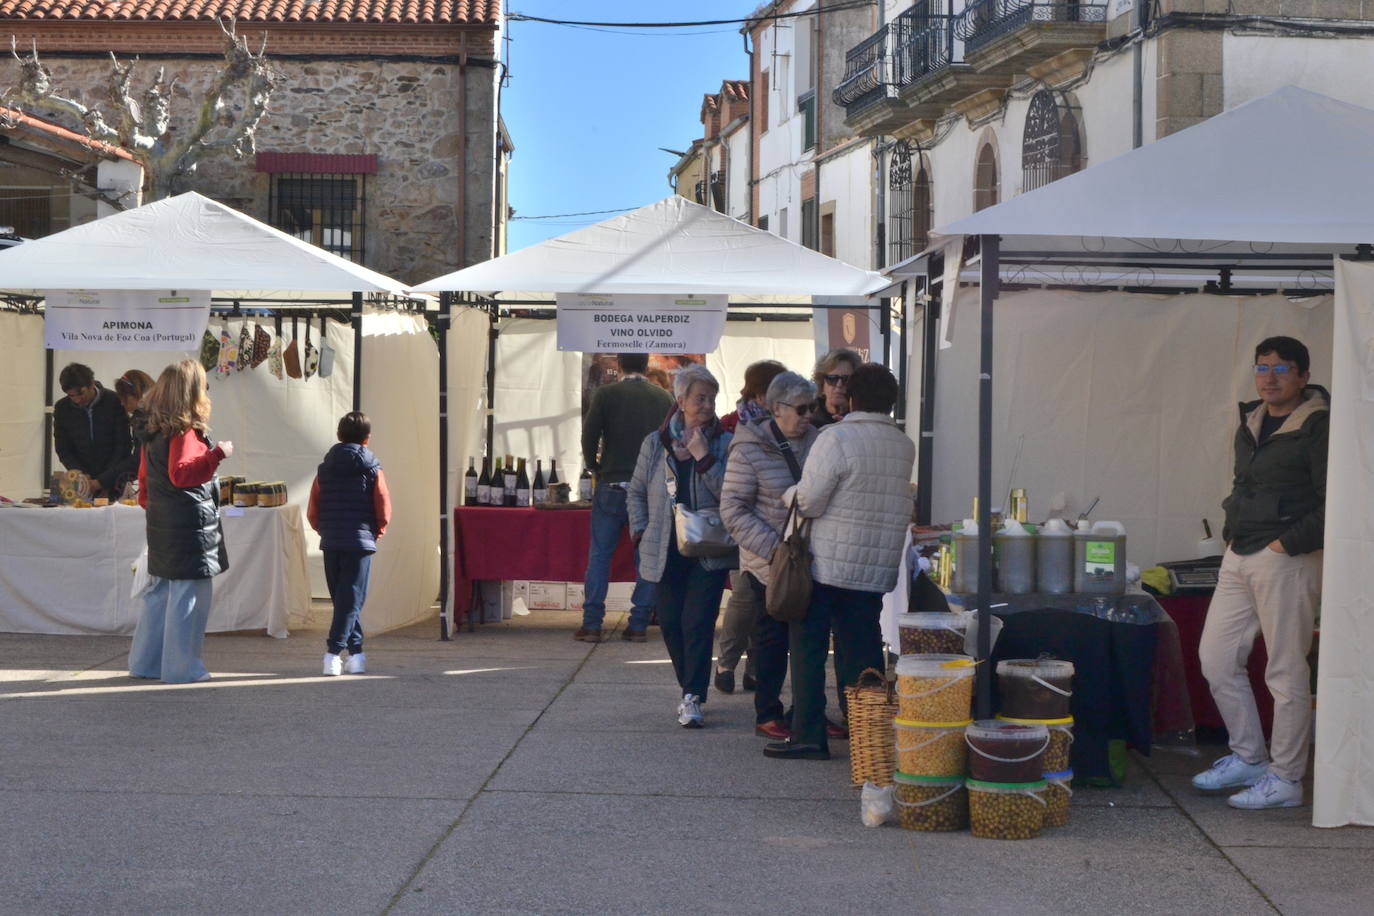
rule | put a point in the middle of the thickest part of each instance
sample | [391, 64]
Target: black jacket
[126, 469]
[185, 540]
[1279, 489]
[96, 446]
[348, 482]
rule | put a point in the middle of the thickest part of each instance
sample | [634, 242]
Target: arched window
[986, 190]
[909, 202]
[1052, 145]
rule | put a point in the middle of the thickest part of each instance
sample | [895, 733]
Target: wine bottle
[584, 486]
[508, 478]
[498, 485]
[553, 471]
[541, 490]
[522, 487]
[484, 484]
[470, 483]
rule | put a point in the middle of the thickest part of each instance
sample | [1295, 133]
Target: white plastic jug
[1100, 559]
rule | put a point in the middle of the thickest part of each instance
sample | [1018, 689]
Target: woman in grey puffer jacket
[757, 475]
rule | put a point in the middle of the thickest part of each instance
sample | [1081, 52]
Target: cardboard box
[547, 596]
[617, 596]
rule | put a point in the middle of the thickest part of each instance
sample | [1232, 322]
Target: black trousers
[688, 604]
[768, 642]
[853, 618]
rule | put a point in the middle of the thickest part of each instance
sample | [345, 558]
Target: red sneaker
[776, 729]
[836, 732]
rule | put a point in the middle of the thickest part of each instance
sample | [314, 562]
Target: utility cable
[815, 11]
[583, 213]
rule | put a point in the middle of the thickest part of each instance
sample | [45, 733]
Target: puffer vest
[185, 539]
[348, 516]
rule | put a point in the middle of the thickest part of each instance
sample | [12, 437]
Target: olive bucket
[1034, 688]
[934, 688]
[1006, 811]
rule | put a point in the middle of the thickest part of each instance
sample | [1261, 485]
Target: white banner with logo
[640, 323]
[125, 319]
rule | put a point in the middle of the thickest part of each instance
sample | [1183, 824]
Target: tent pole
[989, 250]
[903, 357]
[47, 417]
[357, 318]
[445, 310]
[925, 444]
[885, 329]
[493, 313]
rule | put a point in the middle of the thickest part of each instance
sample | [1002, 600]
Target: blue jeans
[346, 573]
[169, 635]
[609, 518]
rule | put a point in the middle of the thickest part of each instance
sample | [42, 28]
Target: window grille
[986, 189]
[901, 203]
[324, 210]
[1052, 145]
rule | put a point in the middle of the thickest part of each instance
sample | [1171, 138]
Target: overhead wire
[770, 17]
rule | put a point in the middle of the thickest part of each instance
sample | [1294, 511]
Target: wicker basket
[872, 707]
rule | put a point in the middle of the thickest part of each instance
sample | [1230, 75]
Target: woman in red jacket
[176, 485]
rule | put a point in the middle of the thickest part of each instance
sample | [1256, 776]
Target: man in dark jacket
[620, 416]
[90, 428]
[1270, 580]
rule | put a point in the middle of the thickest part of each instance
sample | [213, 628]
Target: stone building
[715, 170]
[383, 141]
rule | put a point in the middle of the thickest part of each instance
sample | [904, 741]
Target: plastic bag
[142, 581]
[876, 805]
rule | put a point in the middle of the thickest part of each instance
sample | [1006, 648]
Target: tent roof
[182, 242]
[1288, 170]
[673, 246]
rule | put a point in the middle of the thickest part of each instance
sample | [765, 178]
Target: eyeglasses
[802, 409]
[838, 380]
[1280, 369]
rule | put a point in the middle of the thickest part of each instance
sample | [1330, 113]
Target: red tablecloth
[542, 544]
[1190, 613]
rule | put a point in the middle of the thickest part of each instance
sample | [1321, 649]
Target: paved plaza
[514, 770]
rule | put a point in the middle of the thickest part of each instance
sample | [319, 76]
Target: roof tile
[390, 12]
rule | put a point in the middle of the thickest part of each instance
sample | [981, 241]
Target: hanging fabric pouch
[274, 357]
[326, 352]
[228, 351]
[291, 357]
[262, 342]
[312, 356]
[209, 350]
[245, 354]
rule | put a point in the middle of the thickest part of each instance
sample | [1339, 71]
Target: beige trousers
[1277, 595]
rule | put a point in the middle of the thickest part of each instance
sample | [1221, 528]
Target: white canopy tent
[281, 427]
[672, 247]
[1265, 195]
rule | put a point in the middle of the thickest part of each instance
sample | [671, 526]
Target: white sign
[640, 323]
[125, 319]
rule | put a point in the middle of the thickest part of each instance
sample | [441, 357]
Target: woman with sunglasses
[832, 374]
[766, 458]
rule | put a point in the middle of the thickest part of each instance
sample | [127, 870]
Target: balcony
[1008, 36]
[868, 92]
[931, 62]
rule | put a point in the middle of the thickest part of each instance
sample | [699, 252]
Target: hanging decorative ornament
[292, 354]
[245, 354]
[312, 356]
[228, 352]
[209, 351]
[262, 342]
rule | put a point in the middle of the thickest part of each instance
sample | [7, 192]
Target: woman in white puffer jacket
[856, 486]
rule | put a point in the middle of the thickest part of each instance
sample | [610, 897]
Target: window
[810, 224]
[782, 222]
[27, 210]
[806, 106]
[761, 114]
[718, 190]
[985, 186]
[1052, 145]
[909, 202]
[828, 232]
[320, 198]
[763, 223]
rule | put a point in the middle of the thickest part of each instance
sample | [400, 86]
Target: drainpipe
[462, 155]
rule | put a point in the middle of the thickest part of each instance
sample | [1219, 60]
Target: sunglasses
[1280, 369]
[838, 380]
[802, 409]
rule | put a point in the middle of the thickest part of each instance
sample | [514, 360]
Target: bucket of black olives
[1006, 810]
[930, 803]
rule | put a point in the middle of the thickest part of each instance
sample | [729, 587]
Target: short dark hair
[354, 427]
[1289, 349]
[872, 388]
[633, 362]
[758, 377]
[75, 375]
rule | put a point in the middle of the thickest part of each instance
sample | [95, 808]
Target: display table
[1128, 672]
[70, 570]
[549, 545]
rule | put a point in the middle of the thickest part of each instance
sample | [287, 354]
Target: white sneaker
[689, 711]
[1230, 772]
[333, 665]
[356, 664]
[1272, 791]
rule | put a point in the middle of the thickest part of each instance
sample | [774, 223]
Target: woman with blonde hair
[176, 485]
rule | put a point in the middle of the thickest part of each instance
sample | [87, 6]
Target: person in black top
[90, 428]
[831, 376]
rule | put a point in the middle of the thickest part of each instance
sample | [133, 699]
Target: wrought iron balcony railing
[918, 42]
[984, 21]
[868, 72]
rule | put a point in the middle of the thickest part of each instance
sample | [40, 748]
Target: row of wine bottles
[509, 484]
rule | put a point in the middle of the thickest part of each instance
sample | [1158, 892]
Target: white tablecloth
[69, 570]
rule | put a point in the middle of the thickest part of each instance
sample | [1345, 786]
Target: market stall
[384, 362]
[1184, 212]
[531, 390]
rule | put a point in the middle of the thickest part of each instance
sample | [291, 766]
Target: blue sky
[588, 108]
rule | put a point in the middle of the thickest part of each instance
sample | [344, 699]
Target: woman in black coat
[176, 485]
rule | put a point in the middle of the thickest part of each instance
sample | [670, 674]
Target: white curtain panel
[1125, 396]
[1344, 770]
[746, 342]
[21, 405]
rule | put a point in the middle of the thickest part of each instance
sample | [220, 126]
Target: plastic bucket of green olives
[1058, 791]
[934, 688]
[1006, 811]
[930, 748]
[932, 632]
[930, 802]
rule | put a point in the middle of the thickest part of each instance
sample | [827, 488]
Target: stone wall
[405, 112]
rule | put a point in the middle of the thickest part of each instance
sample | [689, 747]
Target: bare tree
[143, 127]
